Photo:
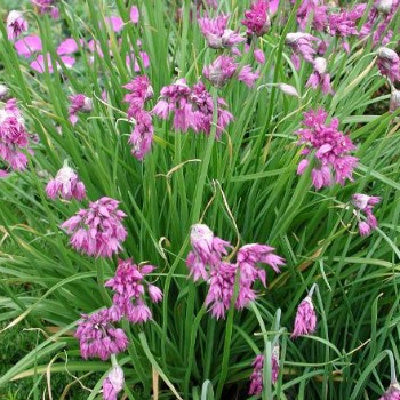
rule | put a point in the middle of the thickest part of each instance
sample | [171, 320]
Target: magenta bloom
[79, 103]
[320, 16]
[134, 14]
[128, 284]
[257, 19]
[206, 262]
[39, 65]
[393, 392]
[365, 204]
[302, 44]
[220, 71]
[203, 111]
[256, 378]
[176, 98]
[113, 383]
[388, 63]
[67, 185]
[319, 77]
[28, 45]
[98, 337]
[141, 137]
[247, 76]
[46, 7]
[216, 34]
[306, 319]
[115, 23]
[14, 138]
[98, 230]
[330, 148]
[16, 24]
[68, 46]
[259, 56]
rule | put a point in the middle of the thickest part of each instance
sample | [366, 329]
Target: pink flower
[68, 46]
[39, 65]
[28, 45]
[98, 230]
[331, 150]
[289, 90]
[394, 100]
[256, 378]
[115, 23]
[134, 14]
[46, 7]
[67, 185]
[203, 111]
[113, 383]
[319, 12]
[247, 76]
[98, 337]
[365, 205]
[216, 34]
[257, 19]
[220, 71]
[319, 77]
[13, 137]
[259, 56]
[393, 392]
[128, 284]
[16, 24]
[79, 103]
[141, 138]
[302, 44]
[306, 319]
[388, 63]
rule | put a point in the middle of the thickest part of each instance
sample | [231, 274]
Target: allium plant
[259, 120]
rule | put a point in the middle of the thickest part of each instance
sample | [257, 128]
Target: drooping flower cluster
[66, 184]
[257, 19]
[192, 107]
[141, 137]
[319, 77]
[331, 150]
[224, 68]
[16, 24]
[79, 103]
[216, 34]
[14, 139]
[129, 287]
[302, 44]
[365, 205]
[98, 230]
[314, 8]
[113, 383]
[206, 262]
[393, 392]
[98, 337]
[256, 378]
[388, 63]
[46, 7]
[306, 319]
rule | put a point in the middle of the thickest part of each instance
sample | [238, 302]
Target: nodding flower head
[388, 63]
[257, 19]
[306, 319]
[16, 24]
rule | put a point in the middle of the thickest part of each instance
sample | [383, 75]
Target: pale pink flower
[66, 184]
[393, 392]
[134, 14]
[16, 24]
[247, 76]
[115, 23]
[365, 204]
[113, 383]
[259, 56]
[319, 77]
[98, 230]
[388, 63]
[79, 103]
[39, 65]
[289, 90]
[28, 45]
[302, 44]
[68, 46]
[306, 319]
[4, 92]
[394, 100]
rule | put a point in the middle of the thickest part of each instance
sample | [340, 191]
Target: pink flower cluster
[306, 319]
[67, 185]
[13, 137]
[365, 204]
[388, 63]
[98, 337]
[46, 7]
[113, 383]
[224, 68]
[79, 103]
[16, 24]
[216, 34]
[192, 107]
[302, 44]
[256, 378]
[257, 19]
[98, 230]
[393, 393]
[129, 287]
[141, 137]
[319, 77]
[206, 262]
[330, 149]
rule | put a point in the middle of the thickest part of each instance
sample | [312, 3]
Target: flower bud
[395, 100]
